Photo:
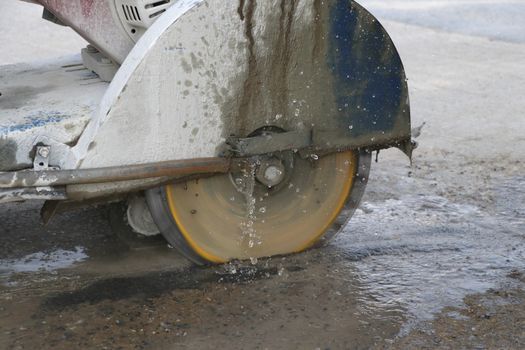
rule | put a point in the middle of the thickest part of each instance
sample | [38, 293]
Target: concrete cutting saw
[237, 129]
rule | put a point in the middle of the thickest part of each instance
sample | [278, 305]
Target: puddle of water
[39, 262]
[510, 202]
[425, 252]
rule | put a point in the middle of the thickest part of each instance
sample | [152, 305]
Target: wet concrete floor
[434, 258]
[398, 274]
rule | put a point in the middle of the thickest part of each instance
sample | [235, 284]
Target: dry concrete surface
[434, 257]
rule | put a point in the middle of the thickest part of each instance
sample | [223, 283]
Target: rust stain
[316, 50]
[87, 7]
[280, 63]
[250, 84]
[266, 81]
[62, 7]
[240, 9]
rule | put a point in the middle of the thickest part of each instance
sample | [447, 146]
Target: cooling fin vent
[138, 15]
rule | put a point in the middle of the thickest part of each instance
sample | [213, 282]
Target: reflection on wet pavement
[400, 261]
[305, 300]
[425, 252]
[58, 259]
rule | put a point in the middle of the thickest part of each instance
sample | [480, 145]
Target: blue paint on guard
[369, 78]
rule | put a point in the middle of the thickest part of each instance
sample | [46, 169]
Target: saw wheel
[245, 215]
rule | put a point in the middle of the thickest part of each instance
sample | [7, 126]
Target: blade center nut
[271, 172]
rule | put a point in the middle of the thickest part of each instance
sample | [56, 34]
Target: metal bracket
[96, 62]
[49, 16]
[8, 195]
[276, 142]
[313, 143]
[41, 161]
